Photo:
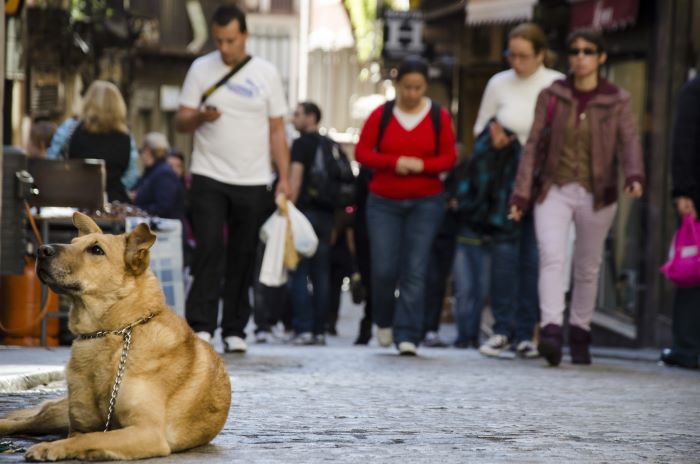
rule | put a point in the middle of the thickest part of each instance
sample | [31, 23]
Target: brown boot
[580, 343]
[550, 344]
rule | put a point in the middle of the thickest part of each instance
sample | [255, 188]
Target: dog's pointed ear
[138, 242]
[85, 224]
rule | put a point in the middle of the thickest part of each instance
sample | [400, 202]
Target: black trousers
[223, 268]
[364, 263]
[439, 266]
[686, 323]
[269, 303]
[342, 266]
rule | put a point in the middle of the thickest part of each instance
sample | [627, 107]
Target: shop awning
[604, 14]
[329, 26]
[498, 11]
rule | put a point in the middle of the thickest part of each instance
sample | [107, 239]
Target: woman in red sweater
[406, 203]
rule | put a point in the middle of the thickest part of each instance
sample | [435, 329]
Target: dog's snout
[46, 251]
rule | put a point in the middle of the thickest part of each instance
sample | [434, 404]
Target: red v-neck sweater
[396, 142]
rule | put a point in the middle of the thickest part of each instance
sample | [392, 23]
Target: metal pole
[304, 12]
[2, 100]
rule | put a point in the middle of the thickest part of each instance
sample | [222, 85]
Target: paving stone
[342, 403]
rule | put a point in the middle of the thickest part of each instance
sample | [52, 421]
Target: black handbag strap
[551, 108]
[207, 93]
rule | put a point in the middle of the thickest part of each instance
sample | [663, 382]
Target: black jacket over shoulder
[685, 165]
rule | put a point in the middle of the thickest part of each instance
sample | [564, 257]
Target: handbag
[542, 149]
[683, 266]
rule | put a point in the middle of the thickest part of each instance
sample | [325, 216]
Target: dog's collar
[122, 331]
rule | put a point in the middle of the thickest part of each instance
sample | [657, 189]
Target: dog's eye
[96, 250]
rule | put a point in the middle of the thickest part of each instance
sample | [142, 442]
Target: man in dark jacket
[685, 169]
[159, 192]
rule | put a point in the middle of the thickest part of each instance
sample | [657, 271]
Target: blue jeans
[310, 310]
[514, 273]
[471, 279]
[401, 234]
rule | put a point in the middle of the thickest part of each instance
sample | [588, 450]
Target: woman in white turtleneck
[510, 98]
[511, 95]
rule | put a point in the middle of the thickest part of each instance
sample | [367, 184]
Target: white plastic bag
[305, 239]
[272, 271]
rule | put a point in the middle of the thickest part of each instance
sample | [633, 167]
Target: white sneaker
[385, 336]
[407, 349]
[206, 336]
[495, 346]
[433, 340]
[262, 337]
[527, 349]
[303, 339]
[235, 344]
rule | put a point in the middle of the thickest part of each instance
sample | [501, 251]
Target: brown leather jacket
[613, 136]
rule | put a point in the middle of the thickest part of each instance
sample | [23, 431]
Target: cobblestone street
[365, 404]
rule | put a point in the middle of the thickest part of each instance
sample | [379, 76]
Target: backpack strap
[387, 112]
[437, 119]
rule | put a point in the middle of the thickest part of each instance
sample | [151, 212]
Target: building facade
[654, 47]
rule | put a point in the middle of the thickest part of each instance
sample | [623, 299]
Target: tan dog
[175, 392]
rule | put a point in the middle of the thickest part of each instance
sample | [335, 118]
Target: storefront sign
[604, 14]
[403, 33]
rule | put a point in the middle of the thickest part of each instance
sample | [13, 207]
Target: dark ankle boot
[365, 333]
[580, 343]
[550, 344]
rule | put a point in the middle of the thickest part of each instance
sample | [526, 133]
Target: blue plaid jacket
[482, 186]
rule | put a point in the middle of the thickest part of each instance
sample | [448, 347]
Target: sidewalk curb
[640, 355]
[17, 383]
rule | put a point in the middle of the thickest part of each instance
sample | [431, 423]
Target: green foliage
[85, 10]
[368, 36]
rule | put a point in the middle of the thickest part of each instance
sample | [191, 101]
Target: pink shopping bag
[683, 267]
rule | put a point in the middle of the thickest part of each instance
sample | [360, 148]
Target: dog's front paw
[46, 451]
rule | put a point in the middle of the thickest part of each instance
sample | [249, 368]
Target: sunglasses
[586, 51]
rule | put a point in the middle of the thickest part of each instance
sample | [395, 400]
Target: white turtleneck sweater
[512, 99]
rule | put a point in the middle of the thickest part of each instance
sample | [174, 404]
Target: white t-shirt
[235, 149]
[512, 99]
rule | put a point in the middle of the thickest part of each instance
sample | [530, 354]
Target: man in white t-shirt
[237, 127]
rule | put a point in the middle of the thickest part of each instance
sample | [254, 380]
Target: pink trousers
[553, 217]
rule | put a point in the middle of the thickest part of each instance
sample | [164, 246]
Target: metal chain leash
[126, 333]
[120, 374]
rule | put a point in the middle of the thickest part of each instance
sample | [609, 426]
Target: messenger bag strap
[207, 93]
[551, 106]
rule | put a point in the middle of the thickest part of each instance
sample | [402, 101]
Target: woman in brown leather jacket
[591, 128]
